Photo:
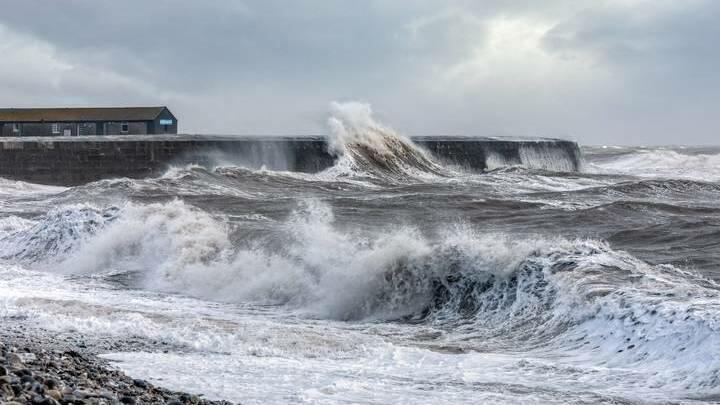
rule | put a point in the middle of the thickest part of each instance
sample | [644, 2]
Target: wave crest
[371, 148]
[662, 163]
[486, 291]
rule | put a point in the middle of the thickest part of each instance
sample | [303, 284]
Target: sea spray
[494, 290]
[54, 235]
[486, 291]
[660, 163]
[369, 147]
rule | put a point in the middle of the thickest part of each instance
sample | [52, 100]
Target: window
[16, 127]
[55, 128]
[124, 127]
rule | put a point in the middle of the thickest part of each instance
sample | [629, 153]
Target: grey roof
[80, 114]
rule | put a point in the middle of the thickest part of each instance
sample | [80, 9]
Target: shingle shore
[34, 371]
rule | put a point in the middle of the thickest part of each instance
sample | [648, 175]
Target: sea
[389, 278]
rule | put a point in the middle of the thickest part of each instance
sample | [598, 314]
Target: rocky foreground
[36, 373]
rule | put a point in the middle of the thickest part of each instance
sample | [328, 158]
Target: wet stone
[53, 371]
[14, 359]
[140, 383]
[23, 372]
[50, 383]
[55, 394]
[26, 379]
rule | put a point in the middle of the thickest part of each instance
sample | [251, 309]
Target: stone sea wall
[77, 160]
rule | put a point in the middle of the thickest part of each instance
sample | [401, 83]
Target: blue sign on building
[166, 122]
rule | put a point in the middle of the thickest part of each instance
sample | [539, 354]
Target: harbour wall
[77, 160]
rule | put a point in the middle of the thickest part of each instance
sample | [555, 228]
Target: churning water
[389, 278]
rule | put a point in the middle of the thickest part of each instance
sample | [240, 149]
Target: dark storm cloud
[599, 71]
[217, 41]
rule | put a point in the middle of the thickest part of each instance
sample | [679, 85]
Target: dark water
[399, 281]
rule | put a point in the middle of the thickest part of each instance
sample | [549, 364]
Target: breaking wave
[15, 188]
[485, 290]
[662, 163]
[56, 234]
[368, 147]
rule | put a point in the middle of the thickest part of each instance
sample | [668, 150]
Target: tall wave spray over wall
[369, 147]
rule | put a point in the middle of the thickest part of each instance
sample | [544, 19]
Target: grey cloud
[267, 40]
[273, 66]
[647, 40]
[665, 55]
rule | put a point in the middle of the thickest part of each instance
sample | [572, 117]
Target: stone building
[86, 121]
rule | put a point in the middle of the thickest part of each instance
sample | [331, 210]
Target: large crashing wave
[368, 147]
[486, 290]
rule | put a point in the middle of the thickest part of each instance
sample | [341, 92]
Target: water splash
[662, 163]
[367, 146]
[485, 291]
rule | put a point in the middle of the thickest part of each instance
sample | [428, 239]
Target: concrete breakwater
[76, 160]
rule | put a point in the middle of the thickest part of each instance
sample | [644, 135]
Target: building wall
[165, 123]
[159, 127]
[88, 128]
[35, 129]
[7, 129]
[134, 128]
[74, 128]
[46, 129]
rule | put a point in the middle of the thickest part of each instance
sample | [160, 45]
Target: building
[86, 121]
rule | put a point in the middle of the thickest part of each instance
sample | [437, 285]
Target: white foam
[53, 235]
[539, 156]
[662, 163]
[13, 224]
[368, 148]
[14, 188]
[572, 309]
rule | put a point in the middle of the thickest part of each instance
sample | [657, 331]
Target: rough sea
[390, 278]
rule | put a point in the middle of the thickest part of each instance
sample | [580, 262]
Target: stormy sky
[600, 72]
